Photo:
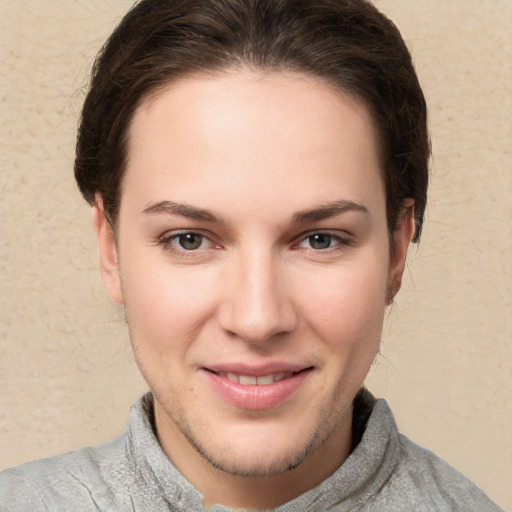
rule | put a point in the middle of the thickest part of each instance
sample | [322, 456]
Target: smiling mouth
[252, 380]
[257, 390]
[258, 380]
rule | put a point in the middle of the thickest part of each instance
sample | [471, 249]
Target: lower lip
[256, 398]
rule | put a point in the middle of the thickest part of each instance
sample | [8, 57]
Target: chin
[256, 465]
[256, 449]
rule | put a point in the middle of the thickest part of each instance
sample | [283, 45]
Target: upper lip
[257, 370]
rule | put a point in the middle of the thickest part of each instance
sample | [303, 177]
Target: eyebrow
[314, 214]
[184, 210]
[329, 210]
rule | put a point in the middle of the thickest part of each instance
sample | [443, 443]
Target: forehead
[247, 132]
[235, 97]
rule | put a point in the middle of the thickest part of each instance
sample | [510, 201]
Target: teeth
[251, 380]
[262, 381]
[232, 376]
[247, 380]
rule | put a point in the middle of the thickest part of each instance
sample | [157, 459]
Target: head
[350, 45]
[257, 170]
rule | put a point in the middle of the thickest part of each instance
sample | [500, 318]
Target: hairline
[152, 94]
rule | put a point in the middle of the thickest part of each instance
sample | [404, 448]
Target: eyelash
[336, 238]
[169, 242]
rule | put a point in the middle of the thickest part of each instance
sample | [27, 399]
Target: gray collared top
[386, 472]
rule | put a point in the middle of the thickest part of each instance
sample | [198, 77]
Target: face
[253, 259]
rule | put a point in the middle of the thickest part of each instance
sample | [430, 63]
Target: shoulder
[402, 476]
[78, 479]
[129, 473]
[426, 482]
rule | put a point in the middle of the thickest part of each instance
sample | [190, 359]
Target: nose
[257, 304]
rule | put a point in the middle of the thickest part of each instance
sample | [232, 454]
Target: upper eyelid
[173, 233]
[337, 233]
[177, 232]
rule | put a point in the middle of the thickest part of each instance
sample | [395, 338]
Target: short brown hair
[348, 43]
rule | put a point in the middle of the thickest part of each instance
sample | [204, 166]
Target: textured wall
[66, 372]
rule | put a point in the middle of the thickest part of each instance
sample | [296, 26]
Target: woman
[257, 170]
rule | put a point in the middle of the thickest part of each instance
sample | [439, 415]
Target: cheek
[165, 306]
[347, 307]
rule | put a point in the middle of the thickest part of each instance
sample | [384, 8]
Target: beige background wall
[66, 373]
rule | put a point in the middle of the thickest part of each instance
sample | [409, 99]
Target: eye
[321, 241]
[189, 241]
[185, 241]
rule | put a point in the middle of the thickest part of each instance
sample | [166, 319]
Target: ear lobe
[109, 266]
[402, 237]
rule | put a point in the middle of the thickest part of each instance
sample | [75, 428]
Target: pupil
[190, 241]
[320, 241]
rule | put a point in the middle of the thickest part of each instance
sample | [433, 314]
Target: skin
[253, 160]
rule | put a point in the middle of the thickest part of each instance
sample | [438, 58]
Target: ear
[402, 237]
[109, 266]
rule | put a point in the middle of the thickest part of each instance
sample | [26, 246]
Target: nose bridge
[257, 305]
